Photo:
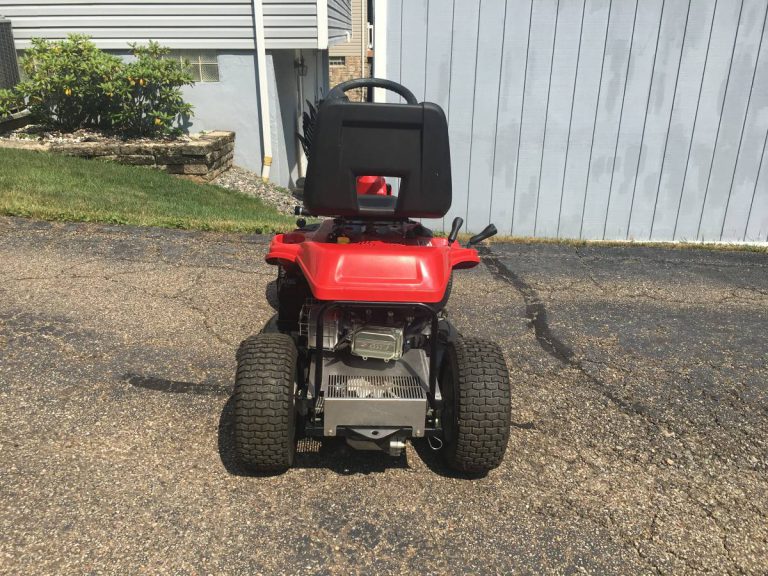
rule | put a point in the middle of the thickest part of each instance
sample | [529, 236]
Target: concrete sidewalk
[640, 405]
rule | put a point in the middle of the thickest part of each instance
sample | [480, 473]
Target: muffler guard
[374, 397]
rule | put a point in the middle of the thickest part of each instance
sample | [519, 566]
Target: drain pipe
[364, 47]
[301, 72]
[261, 62]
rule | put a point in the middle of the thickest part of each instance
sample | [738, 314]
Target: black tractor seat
[352, 139]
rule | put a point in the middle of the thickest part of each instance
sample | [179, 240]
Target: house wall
[343, 23]
[115, 23]
[231, 104]
[290, 24]
[177, 23]
[286, 108]
[595, 119]
[355, 65]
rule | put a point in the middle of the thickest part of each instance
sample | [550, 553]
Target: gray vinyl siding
[359, 33]
[596, 119]
[339, 20]
[290, 23]
[114, 23]
[176, 23]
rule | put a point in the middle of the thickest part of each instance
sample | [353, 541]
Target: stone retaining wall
[14, 121]
[202, 157]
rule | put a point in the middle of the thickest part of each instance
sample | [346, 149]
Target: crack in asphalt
[735, 297]
[63, 273]
[536, 312]
[181, 295]
[665, 519]
[597, 284]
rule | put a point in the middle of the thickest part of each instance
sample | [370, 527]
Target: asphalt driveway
[640, 403]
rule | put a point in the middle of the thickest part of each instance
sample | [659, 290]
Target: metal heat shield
[375, 394]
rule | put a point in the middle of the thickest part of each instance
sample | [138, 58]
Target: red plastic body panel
[372, 185]
[373, 270]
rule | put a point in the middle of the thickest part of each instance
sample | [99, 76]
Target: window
[22, 75]
[202, 64]
[337, 60]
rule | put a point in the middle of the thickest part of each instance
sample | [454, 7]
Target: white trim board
[380, 46]
[322, 24]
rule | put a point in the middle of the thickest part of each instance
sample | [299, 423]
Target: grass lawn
[53, 187]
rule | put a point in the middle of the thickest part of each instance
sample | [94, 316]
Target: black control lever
[487, 232]
[455, 227]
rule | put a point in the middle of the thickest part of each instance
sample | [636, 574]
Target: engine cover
[383, 343]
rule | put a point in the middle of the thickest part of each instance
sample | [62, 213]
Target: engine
[368, 333]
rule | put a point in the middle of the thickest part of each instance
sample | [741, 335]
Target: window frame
[203, 65]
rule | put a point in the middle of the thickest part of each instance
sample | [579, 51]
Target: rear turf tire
[474, 382]
[264, 403]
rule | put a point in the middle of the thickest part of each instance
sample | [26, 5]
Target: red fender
[373, 270]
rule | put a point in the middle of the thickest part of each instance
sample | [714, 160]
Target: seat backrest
[406, 141]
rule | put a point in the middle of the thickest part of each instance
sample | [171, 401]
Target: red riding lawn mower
[362, 348]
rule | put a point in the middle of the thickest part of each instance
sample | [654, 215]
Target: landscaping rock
[85, 149]
[250, 183]
[197, 149]
[130, 149]
[137, 159]
[196, 169]
[14, 121]
[201, 156]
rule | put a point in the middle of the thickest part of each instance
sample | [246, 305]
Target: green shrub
[150, 93]
[64, 85]
[71, 84]
[10, 102]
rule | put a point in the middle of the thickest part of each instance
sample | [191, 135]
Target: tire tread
[264, 402]
[483, 410]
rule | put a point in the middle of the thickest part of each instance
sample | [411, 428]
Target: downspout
[261, 62]
[300, 164]
[363, 43]
[380, 47]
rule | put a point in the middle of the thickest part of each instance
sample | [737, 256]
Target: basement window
[22, 75]
[203, 65]
[337, 60]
